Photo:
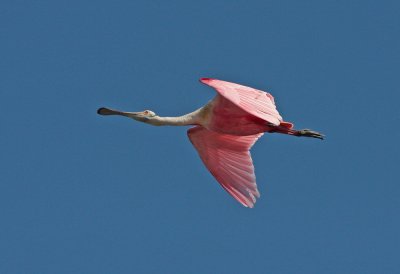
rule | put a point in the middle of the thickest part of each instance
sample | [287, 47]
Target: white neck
[184, 120]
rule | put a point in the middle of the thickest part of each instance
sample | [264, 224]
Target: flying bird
[224, 130]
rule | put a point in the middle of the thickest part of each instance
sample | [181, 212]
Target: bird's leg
[280, 129]
[299, 133]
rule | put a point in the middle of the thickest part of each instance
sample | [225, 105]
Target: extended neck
[184, 120]
[194, 118]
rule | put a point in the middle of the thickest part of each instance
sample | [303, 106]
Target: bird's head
[142, 116]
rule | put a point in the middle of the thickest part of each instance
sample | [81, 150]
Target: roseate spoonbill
[224, 131]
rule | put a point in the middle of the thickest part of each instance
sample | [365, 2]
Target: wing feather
[228, 159]
[255, 102]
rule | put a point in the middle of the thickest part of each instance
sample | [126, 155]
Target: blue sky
[81, 193]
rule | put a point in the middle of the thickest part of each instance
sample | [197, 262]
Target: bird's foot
[310, 133]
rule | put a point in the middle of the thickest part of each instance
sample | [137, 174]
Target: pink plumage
[228, 159]
[238, 117]
[225, 130]
[258, 103]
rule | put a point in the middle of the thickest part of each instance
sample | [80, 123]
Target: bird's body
[224, 131]
[225, 117]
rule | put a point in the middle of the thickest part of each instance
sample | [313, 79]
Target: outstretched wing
[256, 102]
[228, 159]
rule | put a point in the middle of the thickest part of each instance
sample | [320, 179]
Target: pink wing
[256, 102]
[228, 159]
